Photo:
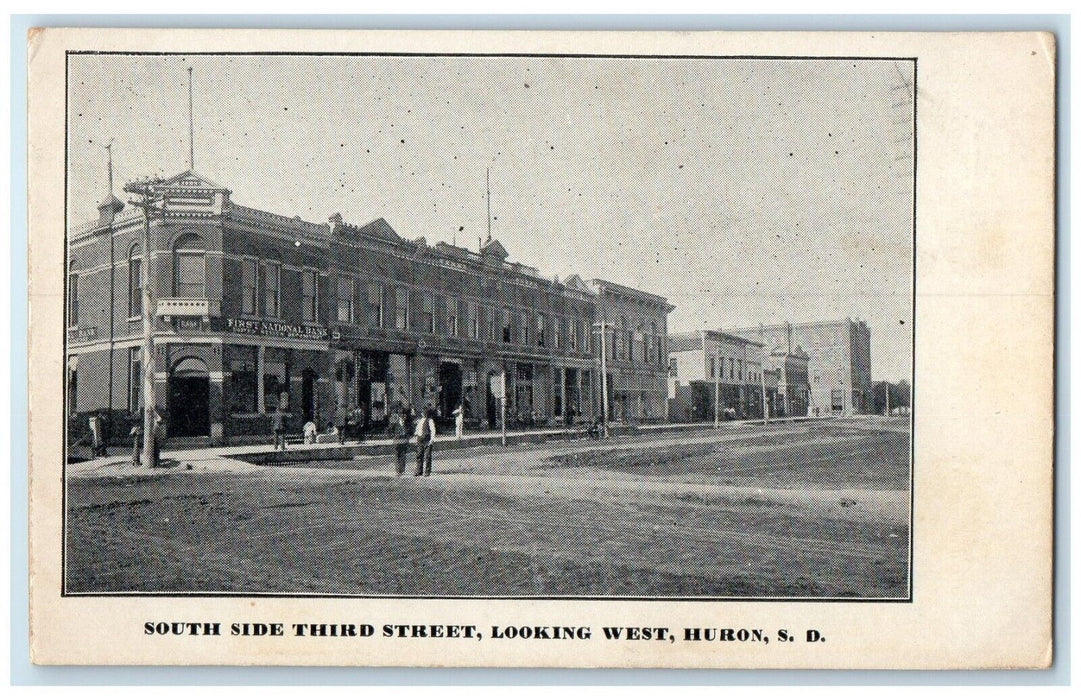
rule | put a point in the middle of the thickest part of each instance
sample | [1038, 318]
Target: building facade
[712, 368]
[838, 360]
[635, 326]
[253, 309]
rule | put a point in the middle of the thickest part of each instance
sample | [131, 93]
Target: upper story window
[506, 324]
[540, 330]
[427, 313]
[452, 316]
[309, 295]
[249, 272]
[272, 289]
[135, 282]
[375, 305]
[523, 333]
[189, 267]
[73, 299]
[572, 338]
[401, 309]
[345, 299]
[474, 320]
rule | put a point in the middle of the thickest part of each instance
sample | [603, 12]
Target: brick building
[838, 361]
[636, 335]
[251, 305]
[708, 364]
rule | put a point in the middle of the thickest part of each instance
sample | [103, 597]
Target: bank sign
[275, 329]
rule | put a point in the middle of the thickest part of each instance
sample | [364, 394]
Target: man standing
[358, 418]
[341, 417]
[136, 435]
[399, 436]
[425, 433]
[97, 435]
[459, 422]
[279, 427]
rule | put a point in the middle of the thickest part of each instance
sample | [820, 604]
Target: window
[712, 367]
[837, 400]
[506, 325]
[401, 309]
[573, 337]
[275, 383]
[248, 272]
[739, 368]
[135, 283]
[309, 293]
[345, 299]
[452, 316]
[73, 299]
[523, 329]
[272, 289]
[243, 389]
[673, 367]
[474, 320]
[559, 329]
[135, 379]
[189, 272]
[375, 305]
[427, 315]
[540, 330]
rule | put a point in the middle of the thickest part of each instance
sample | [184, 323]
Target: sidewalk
[297, 451]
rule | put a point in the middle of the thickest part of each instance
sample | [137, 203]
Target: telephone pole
[603, 325]
[762, 377]
[717, 385]
[145, 190]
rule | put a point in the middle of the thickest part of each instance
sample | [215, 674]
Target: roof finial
[109, 150]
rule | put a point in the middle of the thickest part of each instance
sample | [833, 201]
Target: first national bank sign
[275, 329]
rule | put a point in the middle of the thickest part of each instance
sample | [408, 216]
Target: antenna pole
[191, 127]
[109, 149]
[488, 198]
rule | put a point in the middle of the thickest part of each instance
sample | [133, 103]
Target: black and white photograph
[489, 326]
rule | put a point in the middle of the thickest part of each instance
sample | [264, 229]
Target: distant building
[706, 365]
[838, 361]
[253, 308]
[636, 324]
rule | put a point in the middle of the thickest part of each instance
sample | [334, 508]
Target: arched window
[189, 267]
[135, 282]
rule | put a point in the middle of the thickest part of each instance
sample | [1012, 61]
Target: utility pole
[887, 399]
[762, 377]
[503, 406]
[488, 198]
[145, 190]
[717, 385]
[604, 373]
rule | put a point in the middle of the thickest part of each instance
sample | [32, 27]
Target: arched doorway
[189, 399]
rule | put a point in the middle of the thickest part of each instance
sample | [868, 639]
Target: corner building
[251, 306]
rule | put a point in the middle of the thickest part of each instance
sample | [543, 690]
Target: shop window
[189, 267]
[249, 271]
[275, 383]
[135, 379]
[309, 293]
[135, 283]
[272, 289]
[243, 387]
[73, 299]
[345, 300]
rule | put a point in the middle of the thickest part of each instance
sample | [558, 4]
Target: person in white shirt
[459, 422]
[425, 435]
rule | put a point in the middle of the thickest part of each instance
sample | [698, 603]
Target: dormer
[493, 250]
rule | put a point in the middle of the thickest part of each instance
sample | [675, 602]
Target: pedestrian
[425, 434]
[279, 427]
[136, 436]
[459, 422]
[341, 417]
[310, 431]
[157, 436]
[399, 436]
[97, 435]
[358, 419]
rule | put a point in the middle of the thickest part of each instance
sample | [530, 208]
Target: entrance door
[307, 394]
[189, 399]
[493, 408]
[450, 382]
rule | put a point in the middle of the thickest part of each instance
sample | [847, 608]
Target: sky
[744, 191]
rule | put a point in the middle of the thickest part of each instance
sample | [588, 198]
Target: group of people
[402, 424]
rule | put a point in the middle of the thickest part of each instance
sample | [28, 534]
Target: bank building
[251, 307]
